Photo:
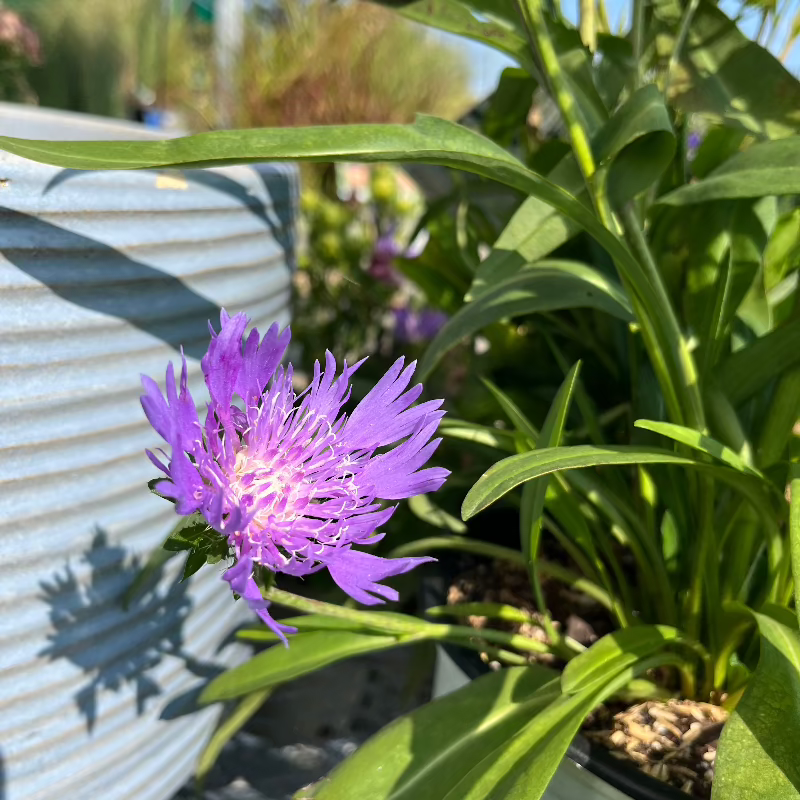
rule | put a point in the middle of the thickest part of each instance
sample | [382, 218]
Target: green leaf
[705, 444]
[767, 168]
[425, 509]
[195, 561]
[533, 495]
[520, 422]
[507, 113]
[576, 64]
[782, 254]
[478, 434]
[637, 144]
[429, 141]
[422, 755]
[226, 731]
[615, 651]
[718, 145]
[188, 532]
[722, 75]
[751, 369]
[794, 531]
[535, 230]
[501, 737]
[743, 290]
[524, 766]
[308, 653]
[757, 755]
[514, 470]
[545, 286]
[306, 622]
[460, 19]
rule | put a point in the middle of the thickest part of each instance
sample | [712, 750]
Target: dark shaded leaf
[757, 755]
[722, 75]
[767, 168]
[544, 286]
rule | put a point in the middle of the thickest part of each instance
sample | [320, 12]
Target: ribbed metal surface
[102, 277]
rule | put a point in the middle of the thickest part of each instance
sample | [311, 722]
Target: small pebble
[618, 738]
[660, 771]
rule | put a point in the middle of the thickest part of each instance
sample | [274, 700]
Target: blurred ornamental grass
[306, 63]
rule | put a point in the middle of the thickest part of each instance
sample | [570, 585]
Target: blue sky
[487, 64]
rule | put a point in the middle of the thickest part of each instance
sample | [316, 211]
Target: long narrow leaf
[429, 140]
[308, 653]
[421, 756]
[514, 470]
[749, 370]
[533, 495]
[705, 444]
[546, 286]
[226, 731]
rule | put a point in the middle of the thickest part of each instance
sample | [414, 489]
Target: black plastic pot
[595, 759]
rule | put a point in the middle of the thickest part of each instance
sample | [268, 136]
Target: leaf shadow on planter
[93, 275]
[117, 649]
[278, 216]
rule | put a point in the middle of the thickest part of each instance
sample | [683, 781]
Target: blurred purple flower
[417, 326]
[21, 39]
[291, 482]
[383, 255]
[386, 250]
[693, 142]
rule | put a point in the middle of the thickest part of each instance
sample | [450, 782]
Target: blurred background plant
[302, 62]
[19, 48]
[347, 281]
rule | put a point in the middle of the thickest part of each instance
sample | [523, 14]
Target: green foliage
[756, 757]
[309, 652]
[658, 476]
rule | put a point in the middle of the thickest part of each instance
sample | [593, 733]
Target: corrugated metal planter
[102, 277]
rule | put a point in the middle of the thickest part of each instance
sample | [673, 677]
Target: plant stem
[379, 621]
[680, 41]
[544, 568]
[536, 25]
[637, 36]
[405, 626]
[463, 543]
[588, 27]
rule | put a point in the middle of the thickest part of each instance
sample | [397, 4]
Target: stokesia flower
[291, 482]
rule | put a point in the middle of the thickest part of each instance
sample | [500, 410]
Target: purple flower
[292, 483]
[417, 326]
[693, 142]
[383, 254]
[386, 250]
